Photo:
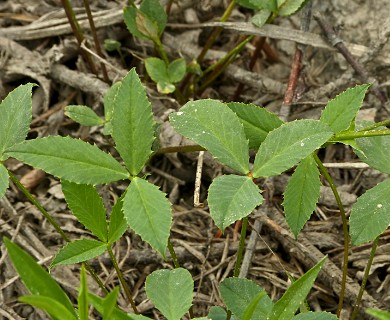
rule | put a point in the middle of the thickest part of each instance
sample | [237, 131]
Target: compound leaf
[70, 159]
[132, 123]
[301, 195]
[287, 145]
[370, 215]
[232, 198]
[148, 213]
[215, 127]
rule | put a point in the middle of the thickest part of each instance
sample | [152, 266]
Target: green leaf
[157, 69]
[171, 291]
[53, 307]
[83, 115]
[285, 146]
[129, 16]
[156, 12]
[78, 251]
[301, 195]
[165, 87]
[238, 293]
[177, 70]
[4, 180]
[217, 313]
[340, 111]
[87, 207]
[315, 316]
[370, 215]
[132, 123]
[15, 111]
[375, 151]
[270, 5]
[379, 314]
[82, 300]
[70, 159]
[35, 278]
[232, 198]
[261, 17]
[118, 224]
[109, 303]
[108, 102]
[290, 7]
[215, 127]
[98, 304]
[289, 303]
[257, 122]
[148, 213]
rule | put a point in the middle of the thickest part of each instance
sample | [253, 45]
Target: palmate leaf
[132, 123]
[215, 127]
[87, 206]
[289, 303]
[35, 278]
[301, 195]
[4, 180]
[15, 117]
[285, 146]
[78, 251]
[370, 215]
[340, 111]
[232, 198]
[70, 159]
[257, 122]
[171, 291]
[148, 213]
[238, 293]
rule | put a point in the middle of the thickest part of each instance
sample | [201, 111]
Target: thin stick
[198, 179]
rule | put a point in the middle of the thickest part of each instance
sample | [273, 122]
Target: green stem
[222, 64]
[78, 33]
[54, 223]
[359, 134]
[35, 202]
[216, 32]
[376, 125]
[95, 39]
[327, 176]
[241, 247]
[365, 278]
[122, 280]
[173, 254]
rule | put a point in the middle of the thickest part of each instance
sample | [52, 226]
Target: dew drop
[179, 113]
[379, 205]
[302, 144]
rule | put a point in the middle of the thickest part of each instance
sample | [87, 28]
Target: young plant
[227, 131]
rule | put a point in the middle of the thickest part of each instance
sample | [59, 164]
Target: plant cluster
[228, 131]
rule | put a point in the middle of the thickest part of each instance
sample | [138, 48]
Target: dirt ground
[37, 45]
